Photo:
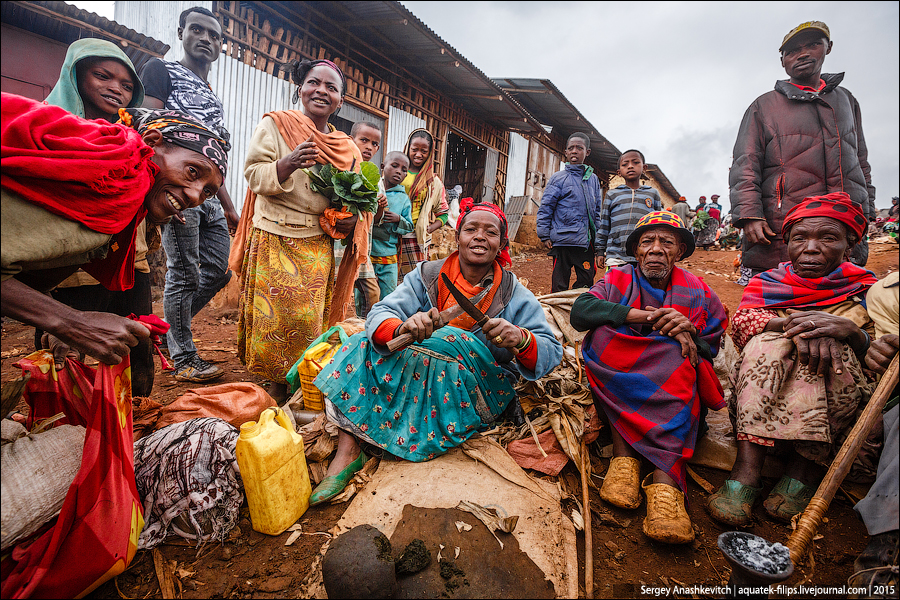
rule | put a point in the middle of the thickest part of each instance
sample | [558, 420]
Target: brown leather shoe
[667, 520]
[622, 484]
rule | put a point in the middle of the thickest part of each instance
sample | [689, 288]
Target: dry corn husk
[490, 518]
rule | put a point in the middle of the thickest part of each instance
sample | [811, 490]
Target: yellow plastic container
[309, 368]
[273, 467]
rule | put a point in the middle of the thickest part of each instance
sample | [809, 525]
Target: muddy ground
[253, 565]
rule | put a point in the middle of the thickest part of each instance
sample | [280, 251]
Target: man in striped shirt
[623, 207]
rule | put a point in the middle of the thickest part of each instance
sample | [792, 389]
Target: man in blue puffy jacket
[568, 216]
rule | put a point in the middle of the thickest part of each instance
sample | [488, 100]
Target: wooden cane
[801, 539]
[586, 500]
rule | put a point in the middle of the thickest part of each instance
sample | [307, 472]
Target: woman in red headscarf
[457, 378]
[802, 328]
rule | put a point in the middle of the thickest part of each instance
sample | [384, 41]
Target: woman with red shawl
[419, 402]
[74, 192]
[803, 328]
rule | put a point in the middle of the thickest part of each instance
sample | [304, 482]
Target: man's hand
[669, 321]
[60, 350]
[106, 337]
[688, 347]
[422, 324]
[390, 217]
[882, 351]
[548, 244]
[233, 219]
[758, 232]
[601, 262]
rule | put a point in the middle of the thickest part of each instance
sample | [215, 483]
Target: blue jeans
[197, 262]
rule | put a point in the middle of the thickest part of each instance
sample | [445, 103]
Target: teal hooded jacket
[65, 93]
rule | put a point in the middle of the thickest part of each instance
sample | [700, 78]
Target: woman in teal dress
[456, 378]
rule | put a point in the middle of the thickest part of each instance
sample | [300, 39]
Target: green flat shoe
[333, 485]
[733, 503]
[788, 498]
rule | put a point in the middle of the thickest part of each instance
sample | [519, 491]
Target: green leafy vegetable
[351, 191]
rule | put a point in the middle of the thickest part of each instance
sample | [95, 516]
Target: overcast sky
[674, 78]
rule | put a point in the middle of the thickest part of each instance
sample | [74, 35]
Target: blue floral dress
[421, 401]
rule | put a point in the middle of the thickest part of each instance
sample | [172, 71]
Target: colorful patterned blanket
[782, 288]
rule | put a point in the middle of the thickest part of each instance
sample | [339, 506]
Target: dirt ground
[254, 565]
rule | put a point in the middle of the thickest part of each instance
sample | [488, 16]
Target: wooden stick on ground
[586, 500]
[801, 539]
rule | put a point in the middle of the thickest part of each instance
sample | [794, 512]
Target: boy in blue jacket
[622, 209]
[392, 221]
[568, 216]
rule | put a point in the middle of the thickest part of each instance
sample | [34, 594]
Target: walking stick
[801, 539]
[586, 500]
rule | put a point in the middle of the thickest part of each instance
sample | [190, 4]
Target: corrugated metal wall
[400, 125]
[517, 167]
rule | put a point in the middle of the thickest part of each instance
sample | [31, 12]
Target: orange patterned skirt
[285, 299]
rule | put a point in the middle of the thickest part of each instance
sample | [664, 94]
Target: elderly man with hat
[803, 138]
[803, 331]
[654, 329]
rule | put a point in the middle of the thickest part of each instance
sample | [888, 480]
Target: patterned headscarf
[468, 205]
[182, 130]
[837, 205]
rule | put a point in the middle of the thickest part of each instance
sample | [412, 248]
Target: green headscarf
[65, 92]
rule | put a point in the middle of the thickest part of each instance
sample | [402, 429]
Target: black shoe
[198, 371]
[876, 568]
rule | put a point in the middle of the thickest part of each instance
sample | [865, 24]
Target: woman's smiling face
[186, 179]
[479, 238]
[320, 93]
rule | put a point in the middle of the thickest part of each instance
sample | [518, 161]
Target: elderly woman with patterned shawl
[654, 330]
[74, 192]
[419, 402]
[802, 328]
[285, 257]
[429, 200]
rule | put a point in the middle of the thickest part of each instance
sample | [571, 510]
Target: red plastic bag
[95, 536]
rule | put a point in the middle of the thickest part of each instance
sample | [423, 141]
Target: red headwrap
[836, 206]
[467, 205]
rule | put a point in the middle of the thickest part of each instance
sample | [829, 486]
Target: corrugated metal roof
[400, 37]
[544, 100]
[66, 23]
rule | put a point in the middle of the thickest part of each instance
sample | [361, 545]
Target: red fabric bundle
[91, 172]
[96, 534]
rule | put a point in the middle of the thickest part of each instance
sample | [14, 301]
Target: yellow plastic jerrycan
[273, 467]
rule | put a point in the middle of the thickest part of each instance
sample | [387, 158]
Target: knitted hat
[660, 218]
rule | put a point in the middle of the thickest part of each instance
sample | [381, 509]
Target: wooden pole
[801, 539]
[586, 501]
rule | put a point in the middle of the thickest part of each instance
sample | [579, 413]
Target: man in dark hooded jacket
[802, 139]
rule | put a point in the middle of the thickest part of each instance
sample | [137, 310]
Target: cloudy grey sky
[674, 78]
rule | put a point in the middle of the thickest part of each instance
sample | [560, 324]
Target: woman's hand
[435, 225]
[422, 324]
[814, 324]
[302, 157]
[502, 333]
[347, 225]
